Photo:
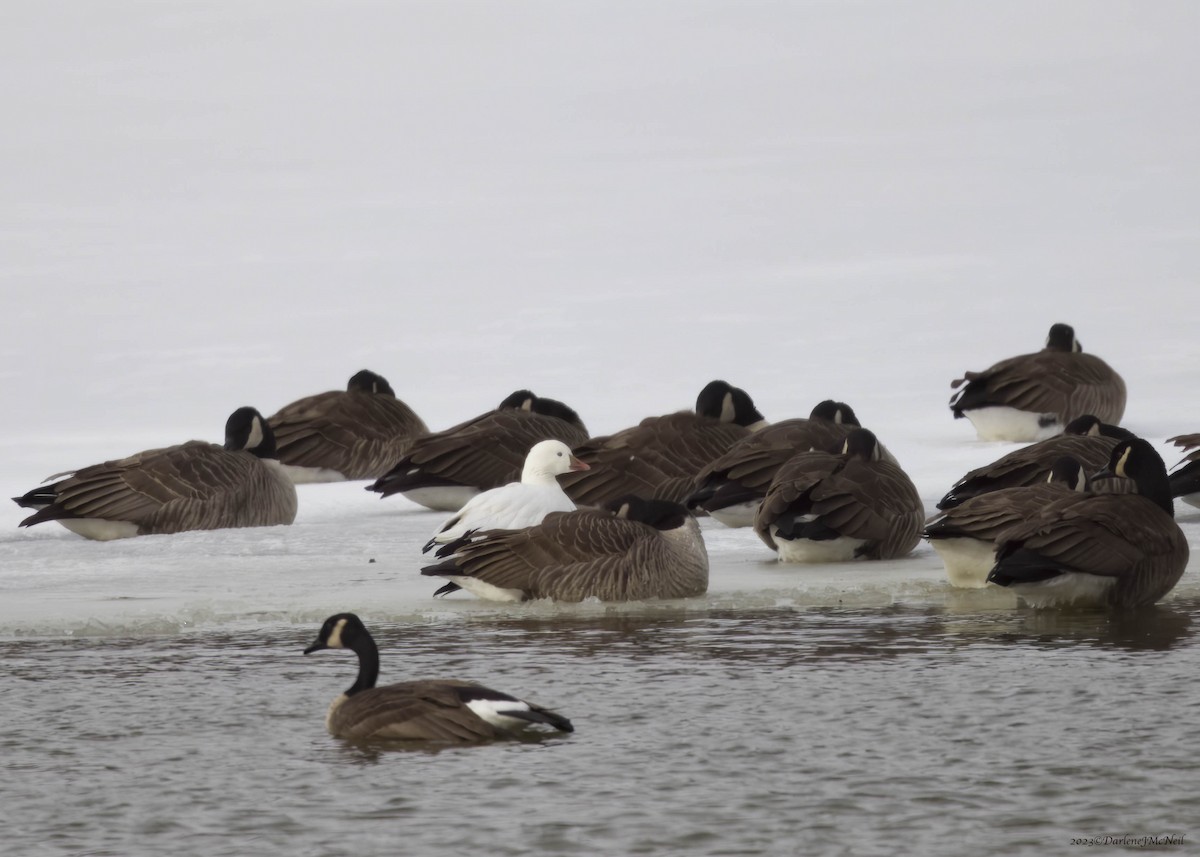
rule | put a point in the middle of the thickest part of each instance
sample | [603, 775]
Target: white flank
[999, 423]
[807, 550]
[100, 529]
[308, 475]
[737, 515]
[485, 590]
[1192, 499]
[967, 561]
[1076, 588]
[494, 712]
[443, 498]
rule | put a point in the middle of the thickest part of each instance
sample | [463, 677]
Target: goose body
[431, 710]
[964, 536]
[517, 504]
[731, 487]
[443, 470]
[1185, 479]
[1109, 549]
[633, 550]
[340, 435]
[192, 486]
[1033, 396]
[825, 507]
[1086, 439]
[660, 457]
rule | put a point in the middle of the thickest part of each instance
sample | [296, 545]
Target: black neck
[368, 664]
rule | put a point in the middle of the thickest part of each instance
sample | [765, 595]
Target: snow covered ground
[220, 204]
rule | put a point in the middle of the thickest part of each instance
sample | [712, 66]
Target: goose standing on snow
[517, 504]
[356, 433]
[443, 470]
[632, 550]
[660, 457]
[1034, 396]
[964, 536]
[1099, 548]
[1185, 480]
[1086, 439]
[731, 487]
[433, 710]
[825, 507]
[193, 486]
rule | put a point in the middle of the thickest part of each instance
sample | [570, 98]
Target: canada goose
[660, 457]
[1085, 439]
[1185, 480]
[1033, 396]
[517, 504]
[1108, 549]
[964, 536]
[629, 551]
[356, 433]
[193, 486]
[824, 507]
[731, 487]
[434, 710]
[443, 470]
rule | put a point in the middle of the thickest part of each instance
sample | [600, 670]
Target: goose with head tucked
[192, 486]
[660, 457]
[443, 470]
[631, 550]
[826, 507]
[1033, 396]
[1100, 548]
[341, 435]
[429, 710]
[1086, 439]
[517, 504]
[964, 536]
[731, 487]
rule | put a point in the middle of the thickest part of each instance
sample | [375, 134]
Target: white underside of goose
[442, 498]
[308, 475]
[1010, 424]
[1075, 588]
[967, 561]
[806, 550]
[99, 529]
[486, 591]
[1192, 499]
[737, 515]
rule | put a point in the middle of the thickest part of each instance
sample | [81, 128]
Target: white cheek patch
[335, 636]
[493, 711]
[728, 412]
[256, 434]
[1120, 468]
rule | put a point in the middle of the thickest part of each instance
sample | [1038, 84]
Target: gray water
[820, 730]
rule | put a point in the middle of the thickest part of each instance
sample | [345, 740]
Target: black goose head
[555, 408]
[660, 514]
[722, 401]
[520, 399]
[1089, 425]
[247, 430]
[861, 443]
[1067, 471]
[1062, 338]
[1137, 460]
[835, 412]
[366, 381]
[340, 631]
